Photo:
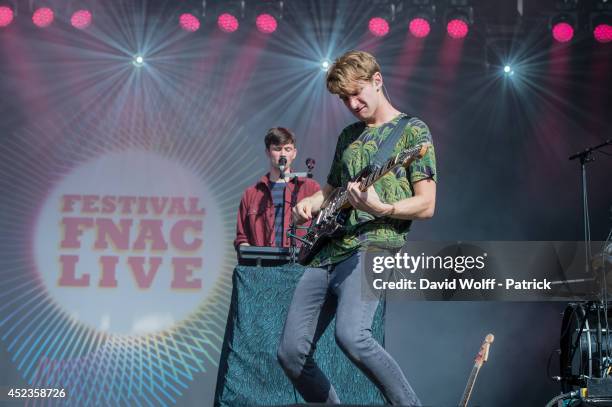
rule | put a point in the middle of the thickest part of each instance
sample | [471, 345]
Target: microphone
[310, 164]
[282, 162]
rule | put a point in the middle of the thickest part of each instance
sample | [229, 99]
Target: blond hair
[350, 68]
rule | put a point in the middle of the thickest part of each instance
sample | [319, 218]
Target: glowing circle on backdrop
[129, 243]
[189, 22]
[227, 23]
[266, 23]
[81, 19]
[6, 16]
[457, 28]
[563, 32]
[603, 33]
[378, 26]
[419, 27]
[43, 17]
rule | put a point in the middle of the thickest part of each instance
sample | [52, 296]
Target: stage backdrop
[120, 183]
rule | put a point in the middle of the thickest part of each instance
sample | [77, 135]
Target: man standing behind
[265, 208]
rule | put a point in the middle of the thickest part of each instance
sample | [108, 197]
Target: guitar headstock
[413, 153]
[483, 353]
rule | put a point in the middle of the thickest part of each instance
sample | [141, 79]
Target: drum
[585, 343]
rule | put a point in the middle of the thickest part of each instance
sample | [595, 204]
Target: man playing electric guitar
[381, 217]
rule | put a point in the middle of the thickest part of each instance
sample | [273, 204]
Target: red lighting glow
[457, 28]
[81, 19]
[419, 27]
[189, 22]
[603, 33]
[266, 23]
[562, 32]
[227, 23]
[378, 26]
[6, 16]
[43, 17]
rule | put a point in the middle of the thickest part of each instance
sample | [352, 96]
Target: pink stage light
[227, 23]
[266, 23]
[43, 17]
[6, 16]
[603, 33]
[81, 19]
[562, 32]
[189, 22]
[457, 28]
[378, 26]
[419, 27]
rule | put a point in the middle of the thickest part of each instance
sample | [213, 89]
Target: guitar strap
[382, 155]
[388, 145]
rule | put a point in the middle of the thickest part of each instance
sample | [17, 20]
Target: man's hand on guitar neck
[419, 206]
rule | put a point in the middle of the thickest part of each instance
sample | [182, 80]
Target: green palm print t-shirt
[356, 148]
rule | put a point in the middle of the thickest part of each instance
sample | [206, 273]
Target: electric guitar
[330, 221]
[481, 357]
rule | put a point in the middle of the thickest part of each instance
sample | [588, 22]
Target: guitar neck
[481, 357]
[469, 386]
[404, 158]
[377, 174]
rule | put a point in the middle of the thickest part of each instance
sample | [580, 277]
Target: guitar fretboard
[469, 386]
[380, 172]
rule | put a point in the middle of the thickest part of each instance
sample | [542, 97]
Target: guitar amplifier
[263, 256]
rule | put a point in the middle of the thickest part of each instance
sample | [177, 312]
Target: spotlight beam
[138, 61]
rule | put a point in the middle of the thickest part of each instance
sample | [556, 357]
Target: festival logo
[129, 243]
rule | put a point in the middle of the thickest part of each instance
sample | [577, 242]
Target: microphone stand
[585, 157]
[310, 163]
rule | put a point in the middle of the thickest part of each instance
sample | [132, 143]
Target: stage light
[457, 28]
[229, 14]
[138, 61]
[191, 15]
[383, 14]
[563, 23]
[378, 26]
[81, 19]
[508, 71]
[603, 33]
[601, 21]
[459, 17]
[266, 23]
[325, 64]
[227, 22]
[7, 14]
[500, 51]
[419, 27]
[268, 15]
[43, 17]
[420, 15]
[562, 32]
[189, 22]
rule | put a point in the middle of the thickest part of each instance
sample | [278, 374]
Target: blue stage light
[138, 61]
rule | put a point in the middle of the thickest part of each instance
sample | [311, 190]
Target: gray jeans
[321, 293]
